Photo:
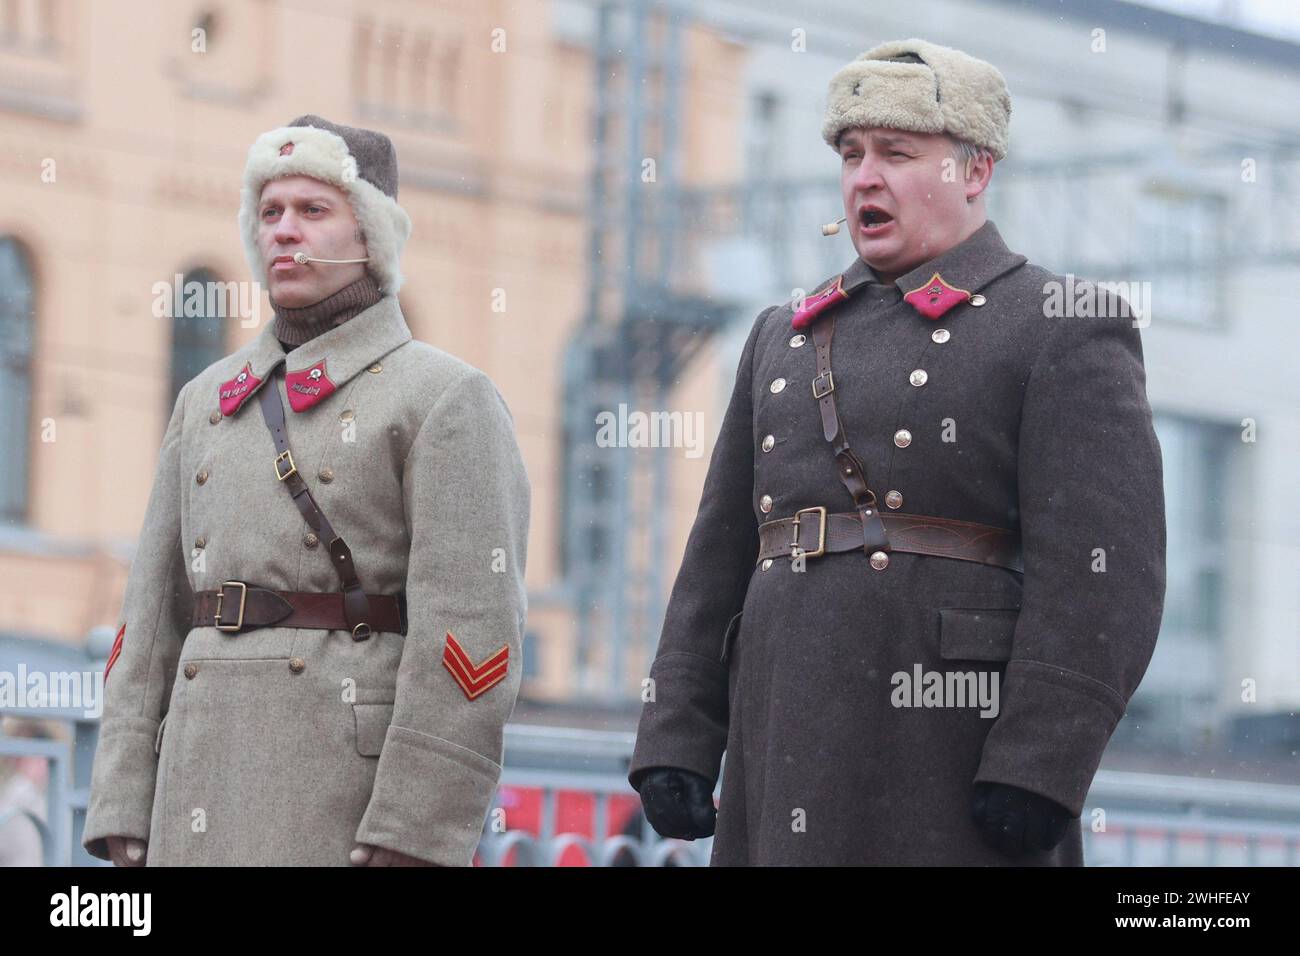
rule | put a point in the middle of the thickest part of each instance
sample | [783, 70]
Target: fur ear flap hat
[921, 87]
[361, 162]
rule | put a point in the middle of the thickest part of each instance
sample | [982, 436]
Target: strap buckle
[820, 510]
[830, 384]
[285, 455]
[221, 594]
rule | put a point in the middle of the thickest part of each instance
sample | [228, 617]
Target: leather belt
[816, 533]
[238, 606]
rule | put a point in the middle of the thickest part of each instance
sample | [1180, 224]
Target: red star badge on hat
[287, 149]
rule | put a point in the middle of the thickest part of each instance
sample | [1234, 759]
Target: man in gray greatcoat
[927, 572]
[319, 644]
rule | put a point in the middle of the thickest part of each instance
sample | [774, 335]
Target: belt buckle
[821, 533]
[221, 594]
[284, 455]
[830, 387]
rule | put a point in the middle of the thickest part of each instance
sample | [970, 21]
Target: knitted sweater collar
[294, 327]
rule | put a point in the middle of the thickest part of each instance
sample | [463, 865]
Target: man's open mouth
[872, 218]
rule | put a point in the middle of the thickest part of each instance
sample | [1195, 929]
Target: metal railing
[1130, 819]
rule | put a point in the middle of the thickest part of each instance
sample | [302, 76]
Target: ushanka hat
[361, 162]
[921, 87]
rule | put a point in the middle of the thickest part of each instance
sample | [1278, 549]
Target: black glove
[678, 803]
[1015, 821]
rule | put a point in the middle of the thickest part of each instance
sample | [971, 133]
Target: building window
[1178, 250]
[17, 330]
[198, 337]
[1176, 708]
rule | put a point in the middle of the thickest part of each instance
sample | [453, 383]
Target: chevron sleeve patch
[474, 679]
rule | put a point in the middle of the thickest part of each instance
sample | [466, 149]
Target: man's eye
[310, 208]
[268, 209]
[897, 153]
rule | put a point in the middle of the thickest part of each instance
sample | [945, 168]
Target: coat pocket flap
[977, 634]
[372, 726]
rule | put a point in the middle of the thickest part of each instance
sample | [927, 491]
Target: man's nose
[867, 175]
[286, 229]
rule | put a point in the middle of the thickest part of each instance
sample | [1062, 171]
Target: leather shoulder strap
[356, 605]
[850, 468]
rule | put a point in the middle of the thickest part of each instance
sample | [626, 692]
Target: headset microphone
[302, 259]
[832, 228]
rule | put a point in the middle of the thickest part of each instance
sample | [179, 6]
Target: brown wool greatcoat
[1049, 433]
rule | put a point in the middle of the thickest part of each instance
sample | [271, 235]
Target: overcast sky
[1280, 17]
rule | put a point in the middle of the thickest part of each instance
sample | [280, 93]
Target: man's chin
[294, 293]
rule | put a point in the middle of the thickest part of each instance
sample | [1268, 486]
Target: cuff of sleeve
[430, 798]
[121, 783]
[685, 723]
[1050, 736]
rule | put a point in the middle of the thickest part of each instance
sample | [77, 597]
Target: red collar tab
[233, 392]
[308, 386]
[936, 297]
[815, 305]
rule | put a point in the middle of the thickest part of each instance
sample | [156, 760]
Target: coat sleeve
[157, 608]
[684, 720]
[1090, 485]
[467, 500]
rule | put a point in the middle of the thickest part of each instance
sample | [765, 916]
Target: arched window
[17, 330]
[198, 335]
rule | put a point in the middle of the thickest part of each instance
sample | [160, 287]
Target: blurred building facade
[123, 133]
[1137, 155]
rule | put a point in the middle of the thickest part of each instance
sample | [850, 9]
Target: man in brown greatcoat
[927, 571]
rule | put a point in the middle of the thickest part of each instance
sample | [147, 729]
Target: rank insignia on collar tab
[474, 679]
[308, 386]
[234, 392]
[815, 305]
[936, 297]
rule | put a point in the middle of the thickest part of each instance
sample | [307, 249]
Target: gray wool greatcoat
[793, 674]
[285, 745]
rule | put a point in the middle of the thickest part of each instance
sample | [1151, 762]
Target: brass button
[879, 560]
[918, 377]
[347, 415]
[777, 385]
[214, 418]
[797, 340]
[940, 335]
[202, 476]
[190, 671]
[765, 504]
[326, 475]
[296, 664]
[977, 300]
[310, 539]
[767, 563]
[200, 542]
[769, 442]
[902, 438]
[894, 499]
[376, 368]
